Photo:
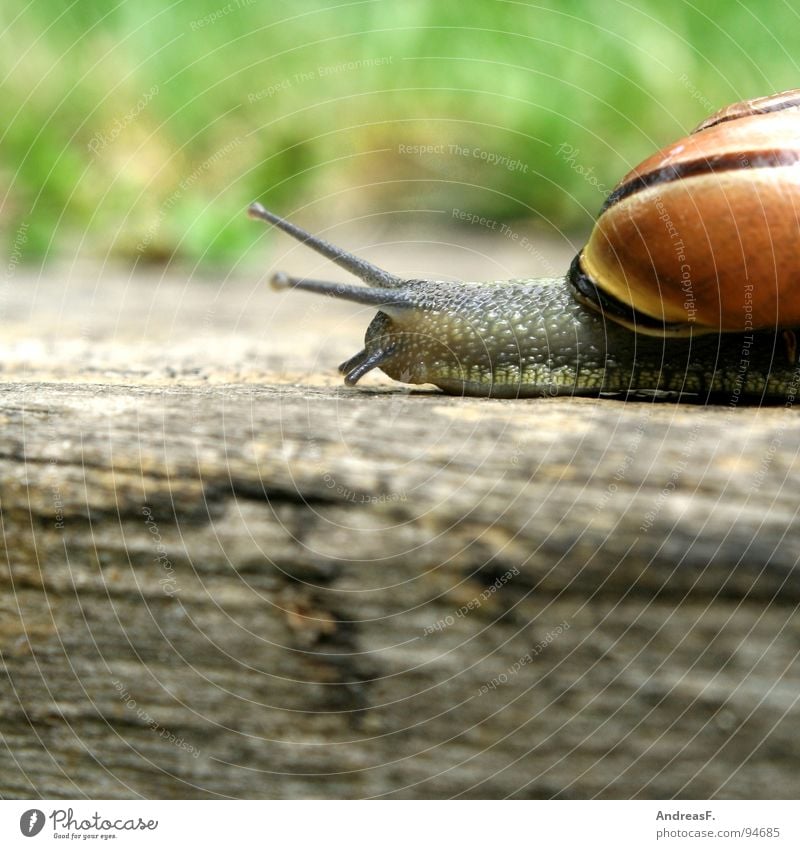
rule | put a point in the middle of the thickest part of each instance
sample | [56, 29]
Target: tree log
[226, 575]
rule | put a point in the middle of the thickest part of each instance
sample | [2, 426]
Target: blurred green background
[140, 130]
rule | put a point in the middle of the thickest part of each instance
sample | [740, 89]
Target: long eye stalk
[359, 294]
[362, 269]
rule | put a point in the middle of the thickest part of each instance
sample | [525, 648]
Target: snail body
[689, 285]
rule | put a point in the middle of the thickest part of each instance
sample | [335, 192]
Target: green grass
[138, 130]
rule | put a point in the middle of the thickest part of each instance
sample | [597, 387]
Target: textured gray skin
[528, 338]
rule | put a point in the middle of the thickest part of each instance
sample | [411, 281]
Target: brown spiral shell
[705, 233]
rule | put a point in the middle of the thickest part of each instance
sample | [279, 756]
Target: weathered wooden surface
[227, 575]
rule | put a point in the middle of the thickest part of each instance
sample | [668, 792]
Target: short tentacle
[351, 362]
[379, 350]
[365, 364]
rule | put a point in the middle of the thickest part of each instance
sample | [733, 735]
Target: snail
[688, 287]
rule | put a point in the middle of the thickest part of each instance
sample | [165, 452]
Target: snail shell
[705, 233]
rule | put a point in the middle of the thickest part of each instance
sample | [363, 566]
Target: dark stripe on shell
[609, 305]
[777, 106]
[710, 165]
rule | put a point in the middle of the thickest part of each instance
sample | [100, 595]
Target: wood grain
[226, 575]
